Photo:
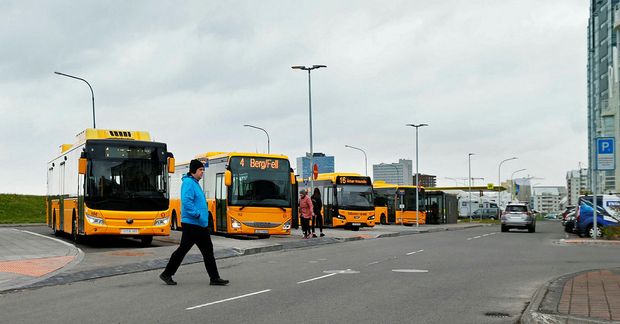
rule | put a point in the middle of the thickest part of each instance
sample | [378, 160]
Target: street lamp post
[499, 181]
[365, 157]
[309, 69]
[417, 174]
[469, 179]
[512, 183]
[268, 144]
[92, 94]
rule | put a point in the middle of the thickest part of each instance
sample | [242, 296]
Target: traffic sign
[490, 186]
[315, 171]
[605, 153]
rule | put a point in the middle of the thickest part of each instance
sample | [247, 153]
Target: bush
[611, 232]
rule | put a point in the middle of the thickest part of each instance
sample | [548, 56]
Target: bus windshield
[260, 182]
[409, 199]
[126, 178]
[355, 197]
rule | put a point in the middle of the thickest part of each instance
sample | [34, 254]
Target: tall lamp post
[417, 174]
[469, 179]
[309, 69]
[365, 157]
[92, 94]
[252, 126]
[499, 181]
[512, 183]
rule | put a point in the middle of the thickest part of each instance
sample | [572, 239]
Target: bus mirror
[293, 180]
[170, 165]
[228, 178]
[82, 166]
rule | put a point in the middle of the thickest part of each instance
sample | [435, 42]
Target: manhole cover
[496, 314]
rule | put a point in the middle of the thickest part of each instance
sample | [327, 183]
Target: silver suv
[518, 215]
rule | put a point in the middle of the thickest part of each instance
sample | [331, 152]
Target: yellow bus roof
[382, 184]
[94, 133]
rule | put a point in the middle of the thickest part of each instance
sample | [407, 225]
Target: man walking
[194, 220]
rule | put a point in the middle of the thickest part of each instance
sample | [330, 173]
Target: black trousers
[317, 221]
[305, 225]
[194, 234]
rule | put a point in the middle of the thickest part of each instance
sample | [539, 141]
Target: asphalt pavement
[30, 260]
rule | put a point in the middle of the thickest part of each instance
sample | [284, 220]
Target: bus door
[295, 205]
[61, 200]
[220, 203]
[329, 209]
[393, 202]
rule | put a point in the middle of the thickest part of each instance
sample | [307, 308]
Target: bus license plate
[129, 231]
[357, 224]
[261, 231]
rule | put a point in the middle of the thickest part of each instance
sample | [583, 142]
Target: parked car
[518, 215]
[490, 213]
[567, 211]
[569, 222]
[608, 214]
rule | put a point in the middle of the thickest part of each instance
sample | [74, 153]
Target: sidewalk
[29, 260]
[585, 297]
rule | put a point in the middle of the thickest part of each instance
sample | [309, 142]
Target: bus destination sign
[353, 180]
[259, 163]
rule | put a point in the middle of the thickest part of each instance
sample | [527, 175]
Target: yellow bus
[347, 200]
[395, 204]
[247, 193]
[110, 182]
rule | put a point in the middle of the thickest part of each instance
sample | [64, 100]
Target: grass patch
[478, 221]
[17, 209]
[611, 232]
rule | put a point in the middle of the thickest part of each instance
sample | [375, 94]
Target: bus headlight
[371, 217]
[235, 224]
[162, 221]
[95, 220]
[287, 225]
[341, 217]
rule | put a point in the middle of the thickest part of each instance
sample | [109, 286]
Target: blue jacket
[193, 203]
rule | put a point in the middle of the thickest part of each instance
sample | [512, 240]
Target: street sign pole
[606, 161]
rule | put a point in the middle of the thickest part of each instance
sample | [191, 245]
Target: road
[444, 277]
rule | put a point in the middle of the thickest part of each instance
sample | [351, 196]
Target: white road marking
[476, 237]
[47, 237]
[410, 270]
[469, 239]
[371, 263]
[410, 253]
[485, 235]
[228, 299]
[317, 278]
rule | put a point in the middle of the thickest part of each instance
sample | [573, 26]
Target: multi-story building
[603, 86]
[396, 173]
[547, 199]
[426, 180]
[325, 164]
[577, 183]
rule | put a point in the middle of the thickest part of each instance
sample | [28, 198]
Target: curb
[540, 310]
[23, 225]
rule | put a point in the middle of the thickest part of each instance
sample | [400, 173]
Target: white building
[577, 183]
[547, 199]
[396, 173]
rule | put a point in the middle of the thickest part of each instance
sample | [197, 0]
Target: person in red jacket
[305, 210]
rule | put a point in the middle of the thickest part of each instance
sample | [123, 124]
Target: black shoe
[313, 235]
[167, 279]
[219, 282]
[322, 234]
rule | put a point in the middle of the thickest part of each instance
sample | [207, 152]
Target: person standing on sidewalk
[317, 218]
[194, 220]
[305, 210]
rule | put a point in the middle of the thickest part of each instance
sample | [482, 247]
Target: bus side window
[325, 197]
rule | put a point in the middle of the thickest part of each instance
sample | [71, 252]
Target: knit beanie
[194, 165]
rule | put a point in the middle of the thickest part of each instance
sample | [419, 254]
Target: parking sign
[605, 153]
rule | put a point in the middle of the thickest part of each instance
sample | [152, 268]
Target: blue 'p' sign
[605, 146]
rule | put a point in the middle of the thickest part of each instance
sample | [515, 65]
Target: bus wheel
[54, 229]
[173, 221]
[146, 241]
[74, 229]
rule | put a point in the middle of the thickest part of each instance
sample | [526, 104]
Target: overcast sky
[497, 78]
